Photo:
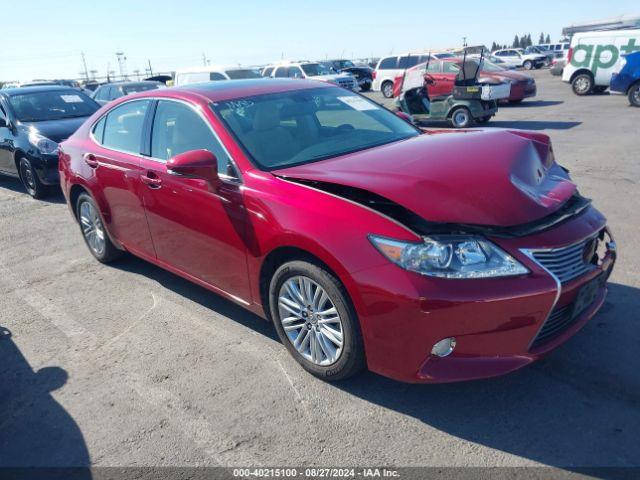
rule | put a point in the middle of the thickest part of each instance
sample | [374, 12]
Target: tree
[548, 39]
[541, 39]
[516, 42]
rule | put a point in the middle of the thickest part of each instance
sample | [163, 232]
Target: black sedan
[111, 91]
[33, 121]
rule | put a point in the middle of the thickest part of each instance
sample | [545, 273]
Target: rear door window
[123, 127]
[216, 76]
[282, 72]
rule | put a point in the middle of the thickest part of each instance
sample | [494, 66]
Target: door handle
[91, 160]
[151, 182]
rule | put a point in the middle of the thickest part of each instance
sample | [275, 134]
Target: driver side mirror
[200, 164]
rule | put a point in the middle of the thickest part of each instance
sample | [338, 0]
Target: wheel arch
[286, 253]
[580, 72]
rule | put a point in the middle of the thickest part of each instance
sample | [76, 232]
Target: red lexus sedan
[424, 257]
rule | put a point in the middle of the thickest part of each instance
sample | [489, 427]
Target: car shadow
[532, 103]
[578, 407]
[532, 124]
[36, 432]
[196, 293]
[15, 185]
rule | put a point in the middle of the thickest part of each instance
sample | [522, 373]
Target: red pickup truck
[443, 72]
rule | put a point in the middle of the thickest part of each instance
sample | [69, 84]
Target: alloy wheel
[635, 96]
[387, 90]
[310, 320]
[26, 173]
[582, 85]
[92, 228]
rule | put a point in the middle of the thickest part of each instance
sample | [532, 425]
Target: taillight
[374, 74]
[570, 55]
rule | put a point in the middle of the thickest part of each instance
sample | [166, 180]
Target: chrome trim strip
[529, 254]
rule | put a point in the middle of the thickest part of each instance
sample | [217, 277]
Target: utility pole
[122, 64]
[84, 64]
[205, 60]
[136, 72]
[150, 69]
[93, 74]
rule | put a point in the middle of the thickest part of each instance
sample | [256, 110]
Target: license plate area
[587, 295]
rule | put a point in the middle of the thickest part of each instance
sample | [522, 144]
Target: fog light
[444, 347]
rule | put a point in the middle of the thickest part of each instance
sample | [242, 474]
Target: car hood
[56, 130]
[476, 177]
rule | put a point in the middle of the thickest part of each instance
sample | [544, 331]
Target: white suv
[389, 68]
[187, 76]
[516, 57]
[313, 71]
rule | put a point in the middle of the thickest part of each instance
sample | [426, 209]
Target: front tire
[93, 230]
[315, 320]
[387, 89]
[528, 65]
[461, 118]
[634, 95]
[582, 84]
[30, 179]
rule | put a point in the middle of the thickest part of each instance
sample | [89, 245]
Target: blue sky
[45, 39]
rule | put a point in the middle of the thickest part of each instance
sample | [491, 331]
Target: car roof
[10, 92]
[230, 89]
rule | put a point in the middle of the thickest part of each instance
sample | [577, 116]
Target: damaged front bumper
[495, 322]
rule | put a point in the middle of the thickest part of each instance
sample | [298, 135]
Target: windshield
[315, 69]
[52, 105]
[140, 87]
[532, 50]
[243, 73]
[346, 64]
[303, 126]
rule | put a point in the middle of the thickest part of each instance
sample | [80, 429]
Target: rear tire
[483, 120]
[634, 95]
[582, 84]
[365, 87]
[307, 326]
[93, 231]
[461, 118]
[30, 180]
[387, 89]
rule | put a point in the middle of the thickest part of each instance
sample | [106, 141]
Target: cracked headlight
[43, 144]
[450, 256]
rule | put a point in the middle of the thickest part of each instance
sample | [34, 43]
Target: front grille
[567, 263]
[346, 83]
[559, 320]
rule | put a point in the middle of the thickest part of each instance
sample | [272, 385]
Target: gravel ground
[129, 365]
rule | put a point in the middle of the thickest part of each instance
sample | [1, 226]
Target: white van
[212, 74]
[389, 68]
[595, 56]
